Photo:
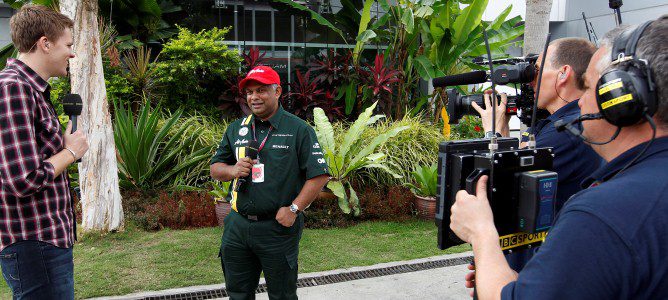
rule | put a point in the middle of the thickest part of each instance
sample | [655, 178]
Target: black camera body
[517, 70]
[521, 188]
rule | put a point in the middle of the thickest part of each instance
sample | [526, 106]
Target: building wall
[5, 13]
[602, 18]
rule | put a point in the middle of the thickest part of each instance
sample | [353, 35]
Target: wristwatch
[489, 134]
[294, 208]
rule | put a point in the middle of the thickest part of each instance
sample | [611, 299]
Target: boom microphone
[562, 125]
[461, 79]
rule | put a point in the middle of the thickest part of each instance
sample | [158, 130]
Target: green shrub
[424, 180]
[193, 68]
[202, 132]
[148, 156]
[417, 145]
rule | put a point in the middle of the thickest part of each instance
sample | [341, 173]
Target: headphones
[626, 93]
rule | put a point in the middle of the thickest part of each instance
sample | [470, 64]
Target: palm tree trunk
[536, 25]
[98, 172]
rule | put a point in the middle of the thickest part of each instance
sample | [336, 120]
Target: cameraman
[561, 87]
[609, 240]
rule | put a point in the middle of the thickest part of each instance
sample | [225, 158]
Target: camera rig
[521, 188]
[510, 71]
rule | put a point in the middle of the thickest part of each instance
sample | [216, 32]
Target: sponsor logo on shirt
[243, 131]
[239, 142]
[316, 153]
[282, 134]
[280, 147]
[316, 145]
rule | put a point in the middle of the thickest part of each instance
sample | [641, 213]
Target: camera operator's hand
[470, 279]
[471, 216]
[242, 168]
[502, 118]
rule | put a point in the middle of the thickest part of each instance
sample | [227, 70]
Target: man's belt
[259, 217]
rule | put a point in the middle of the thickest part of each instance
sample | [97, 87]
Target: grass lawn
[136, 260]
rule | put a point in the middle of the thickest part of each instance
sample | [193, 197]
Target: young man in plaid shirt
[36, 211]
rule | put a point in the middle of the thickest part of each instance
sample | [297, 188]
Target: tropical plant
[141, 73]
[330, 67]
[417, 145]
[220, 190]
[304, 94]
[425, 179]
[204, 132]
[193, 69]
[147, 154]
[352, 154]
[382, 79]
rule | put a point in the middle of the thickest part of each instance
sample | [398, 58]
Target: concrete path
[438, 283]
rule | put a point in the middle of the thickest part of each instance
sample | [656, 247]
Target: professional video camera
[516, 70]
[521, 186]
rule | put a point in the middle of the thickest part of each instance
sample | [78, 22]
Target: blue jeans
[38, 270]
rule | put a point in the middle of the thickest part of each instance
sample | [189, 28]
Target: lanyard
[263, 141]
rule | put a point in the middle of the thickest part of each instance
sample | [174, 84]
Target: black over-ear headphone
[626, 93]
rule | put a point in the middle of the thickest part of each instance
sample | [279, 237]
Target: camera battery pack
[537, 193]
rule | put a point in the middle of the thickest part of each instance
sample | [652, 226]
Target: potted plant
[424, 189]
[220, 193]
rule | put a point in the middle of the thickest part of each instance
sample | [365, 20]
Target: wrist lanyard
[263, 141]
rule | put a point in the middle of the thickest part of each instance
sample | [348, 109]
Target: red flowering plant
[305, 95]
[469, 127]
[382, 78]
[330, 68]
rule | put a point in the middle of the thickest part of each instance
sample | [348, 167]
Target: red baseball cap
[261, 74]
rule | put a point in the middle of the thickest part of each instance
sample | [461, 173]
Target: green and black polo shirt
[291, 156]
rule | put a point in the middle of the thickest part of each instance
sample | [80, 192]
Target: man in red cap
[277, 168]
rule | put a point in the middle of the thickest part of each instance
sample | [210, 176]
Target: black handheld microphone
[72, 106]
[461, 79]
[251, 152]
[562, 125]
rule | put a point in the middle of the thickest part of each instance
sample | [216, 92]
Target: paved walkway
[438, 283]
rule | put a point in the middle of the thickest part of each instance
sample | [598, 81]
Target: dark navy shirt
[609, 241]
[574, 161]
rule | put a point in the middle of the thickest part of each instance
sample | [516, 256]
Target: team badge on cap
[243, 131]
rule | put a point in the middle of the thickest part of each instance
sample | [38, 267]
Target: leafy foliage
[140, 19]
[306, 95]
[417, 145]
[141, 73]
[381, 79]
[426, 179]
[352, 154]
[221, 189]
[147, 154]
[194, 68]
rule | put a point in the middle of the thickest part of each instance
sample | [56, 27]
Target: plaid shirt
[34, 203]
